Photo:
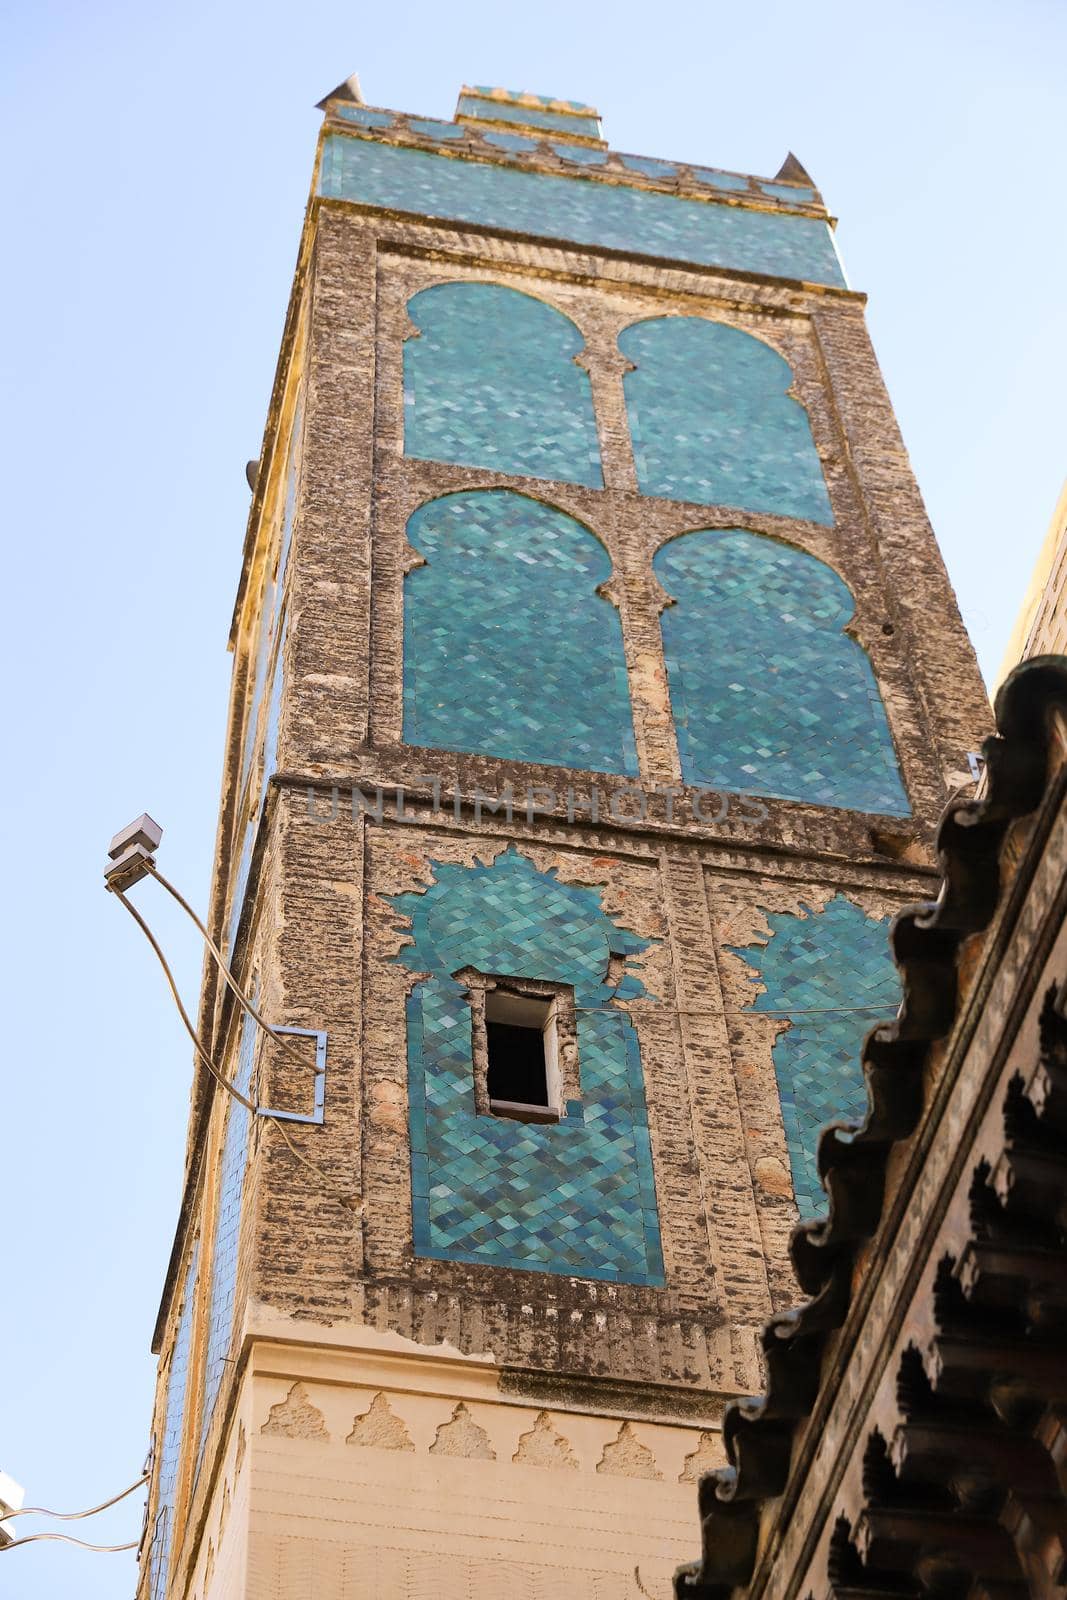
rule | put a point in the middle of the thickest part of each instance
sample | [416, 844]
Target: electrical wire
[75, 1516]
[230, 1088]
[66, 1538]
[243, 1000]
[349, 1201]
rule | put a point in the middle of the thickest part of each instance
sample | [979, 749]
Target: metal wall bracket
[318, 1114]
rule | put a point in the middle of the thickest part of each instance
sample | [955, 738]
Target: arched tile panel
[831, 975]
[711, 420]
[769, 695]
[491, 382]
[509, 650]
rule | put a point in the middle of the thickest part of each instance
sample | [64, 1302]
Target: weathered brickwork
[571, 1334]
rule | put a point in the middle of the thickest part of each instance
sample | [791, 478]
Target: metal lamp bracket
[318, 1114]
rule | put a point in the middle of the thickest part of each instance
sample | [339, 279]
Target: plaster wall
[384, 1470]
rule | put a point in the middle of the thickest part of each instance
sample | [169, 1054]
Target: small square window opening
[522, 1046]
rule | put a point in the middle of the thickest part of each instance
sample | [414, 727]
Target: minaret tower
[597, 685]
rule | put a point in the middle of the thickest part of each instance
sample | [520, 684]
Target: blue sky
[157, 163]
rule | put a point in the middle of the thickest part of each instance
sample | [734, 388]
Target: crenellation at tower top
[537, 133]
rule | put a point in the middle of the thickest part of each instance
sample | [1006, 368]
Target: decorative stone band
[472, 1432]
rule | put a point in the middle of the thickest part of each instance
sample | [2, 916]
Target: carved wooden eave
[912, 1439]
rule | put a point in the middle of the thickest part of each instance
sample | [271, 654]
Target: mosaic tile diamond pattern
[788, 191]
[639, 221]
[576, 1197]
[711, 421]
[508, 649]
[836, 958]
[491, 382]
[769, 696]
[232, 1166]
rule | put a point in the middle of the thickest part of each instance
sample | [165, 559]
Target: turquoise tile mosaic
[508, 649]
[240, 882]
[516, 142]
[711, 420]
[769, 695]
[575, 1197]
[362, 117]
[550, 206]
[836, 958]
[529, 117]
[168, 1449]
[232, 1165]
[491, 382]
[788, 191]
[436, 130]
[720, 180]
[650, 166]
[585, 155]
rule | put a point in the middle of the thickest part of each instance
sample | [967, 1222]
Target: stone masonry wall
[333, 1248]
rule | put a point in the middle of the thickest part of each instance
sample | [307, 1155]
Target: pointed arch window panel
[770, 696]
[491, 381]
[509, 649]
[712, 420]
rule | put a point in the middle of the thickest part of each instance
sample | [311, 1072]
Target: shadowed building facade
[597, 686]
[912, 1433]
